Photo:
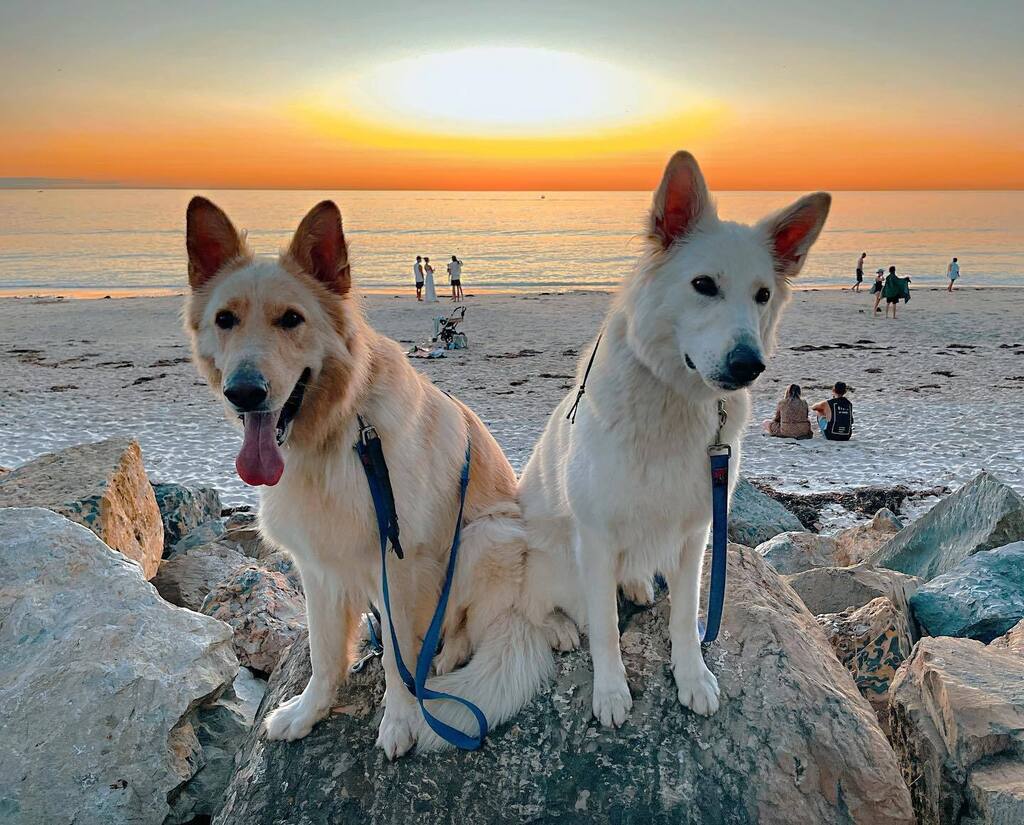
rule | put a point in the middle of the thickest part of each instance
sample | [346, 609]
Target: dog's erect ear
[211, 240]
[792, 231]
[681, 200]
[319, 247]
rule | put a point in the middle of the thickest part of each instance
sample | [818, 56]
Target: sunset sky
[471, 94]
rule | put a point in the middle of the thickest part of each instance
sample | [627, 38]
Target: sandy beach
[935, 393]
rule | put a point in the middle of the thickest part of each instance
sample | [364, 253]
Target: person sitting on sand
[835, 415]
[876, 290]
[791, 416]
[952, 272]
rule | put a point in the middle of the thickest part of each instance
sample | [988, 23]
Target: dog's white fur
[321, 510]
[625, 491]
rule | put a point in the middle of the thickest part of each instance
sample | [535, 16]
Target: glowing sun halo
[505, 91]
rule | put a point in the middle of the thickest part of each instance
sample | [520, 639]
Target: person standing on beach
[455, 276]
[876, 290]
[429, 294]
[860, 273]
[952, 272]
[894, 289]
[417, 273]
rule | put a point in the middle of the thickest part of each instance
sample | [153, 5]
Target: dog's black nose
[743, 365]
[247, 391]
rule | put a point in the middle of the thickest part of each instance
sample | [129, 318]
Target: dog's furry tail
[508, 667]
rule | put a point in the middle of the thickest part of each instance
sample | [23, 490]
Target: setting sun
[501, 91]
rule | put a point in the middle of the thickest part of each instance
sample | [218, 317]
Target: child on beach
[791, 416]
[876, 290]
[952, 272]
[835, 415]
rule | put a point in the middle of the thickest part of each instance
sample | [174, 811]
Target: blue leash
[371, 455]
[719, 455]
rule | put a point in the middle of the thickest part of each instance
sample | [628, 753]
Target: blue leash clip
[371, 454]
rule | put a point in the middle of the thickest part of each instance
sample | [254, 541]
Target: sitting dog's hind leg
[561, 631]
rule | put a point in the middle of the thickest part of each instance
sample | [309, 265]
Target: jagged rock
[981, 598]
[872, 642]
[209, 532]
[242, 528]
[754, 517]
[186, 579]
[103, 486]
[265, 611]
[835, 589]
[1012, 640]
[981, 515]
[855, 544]
[182, 509]
[282, 562]
[795, 552]
[956, 712]
[99, 678]
[220, 726]
[793, 741]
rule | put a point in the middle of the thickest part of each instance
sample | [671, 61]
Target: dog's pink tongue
[260, 460]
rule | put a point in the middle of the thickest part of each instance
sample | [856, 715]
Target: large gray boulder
[835, 589]
[187, 578]
[99, 680]
[795, 552]
[183, 508]
[981, 598]
[755, 517]
[956, 716]
[103, 486]
[793, 741]
[981, 515]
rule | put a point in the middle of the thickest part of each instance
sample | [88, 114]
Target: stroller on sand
[446, 329]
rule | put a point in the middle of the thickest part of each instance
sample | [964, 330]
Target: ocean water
[67, 239]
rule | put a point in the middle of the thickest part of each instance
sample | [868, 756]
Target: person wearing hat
[876, 290]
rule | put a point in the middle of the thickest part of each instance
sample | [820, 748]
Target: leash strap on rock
[368, 446]
[719, 454]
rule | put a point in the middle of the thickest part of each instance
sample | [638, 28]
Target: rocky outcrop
[793, 741]
[100, 679]
[220, 726]
[186, 579]
[755, 517]
[981, 598]
[835, 589]
[792, 553]
[182, 509]
[103, 486]
[266, 613]
[872, 642]
[981, 515]
[856, 544]
[1012, 640]
[956, 716]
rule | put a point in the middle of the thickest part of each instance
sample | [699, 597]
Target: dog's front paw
[698, 688]
[612, 702]
[397, 732]
[640, 592]
[295, 718]
[561, 631]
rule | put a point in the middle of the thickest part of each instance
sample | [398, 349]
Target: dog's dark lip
[292, 405]
[689, 362]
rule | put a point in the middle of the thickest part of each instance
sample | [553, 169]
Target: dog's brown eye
[763, 295]
[225, 319]
[290, 319]
[705, 285]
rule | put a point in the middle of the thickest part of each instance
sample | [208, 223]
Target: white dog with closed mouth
[625, 492]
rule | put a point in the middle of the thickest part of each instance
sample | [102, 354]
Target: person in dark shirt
[835, 415]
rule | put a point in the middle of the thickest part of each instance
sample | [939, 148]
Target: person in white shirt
[455, 276]
[952, 272]
[417, 273]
